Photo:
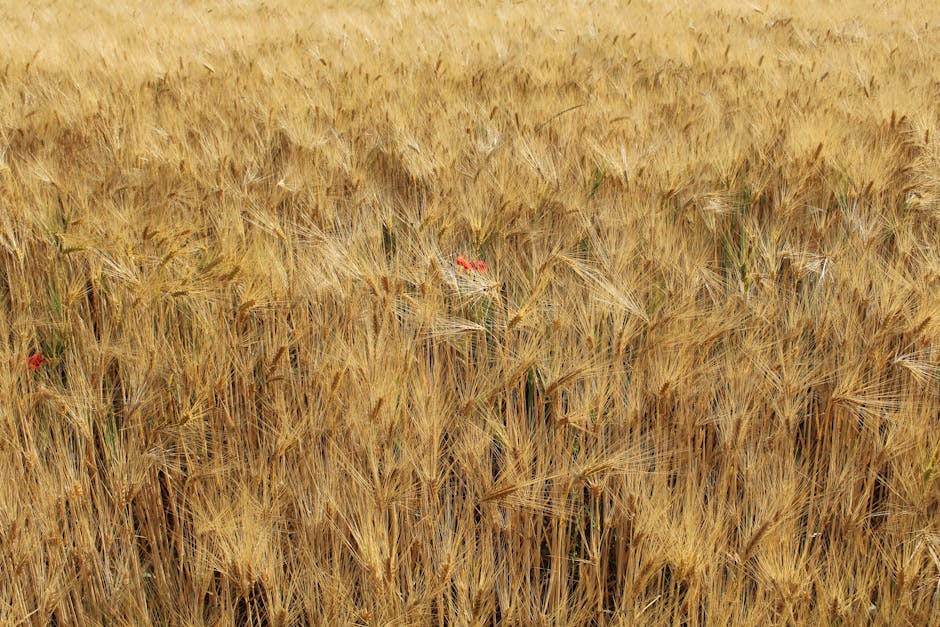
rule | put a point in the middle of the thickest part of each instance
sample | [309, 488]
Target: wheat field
[469, 313]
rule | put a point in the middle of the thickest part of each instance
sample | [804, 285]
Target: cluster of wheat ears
[473, 313]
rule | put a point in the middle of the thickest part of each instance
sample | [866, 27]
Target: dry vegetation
[699, 383]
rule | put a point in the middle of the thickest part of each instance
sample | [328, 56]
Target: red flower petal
[35, 361]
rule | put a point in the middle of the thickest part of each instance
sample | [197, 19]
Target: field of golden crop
[469, 313]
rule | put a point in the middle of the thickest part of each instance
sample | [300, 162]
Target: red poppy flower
[474, 266]
[35, 360]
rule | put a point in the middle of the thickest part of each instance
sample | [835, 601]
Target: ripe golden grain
[696, 384]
